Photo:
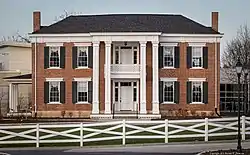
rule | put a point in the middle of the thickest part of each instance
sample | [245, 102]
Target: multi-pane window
[82, 91]
[168, 53]
[168, 94]
[82, 56]
[54, 58]
[54, 91]
[197, 92]
[197, 56]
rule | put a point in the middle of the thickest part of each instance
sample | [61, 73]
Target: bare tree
[16, 37]
[2, 96]
[237, 48]
[66, 14]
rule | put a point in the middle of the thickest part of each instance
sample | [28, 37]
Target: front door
[126, 101]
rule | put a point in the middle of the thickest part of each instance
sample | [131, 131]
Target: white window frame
[58, 56]
[54, 80]
[201, 55]
[168, 80]
[87, 52]
[82, 80]
[168, 102]
[201, 82]
[59, 92]
[168, 67]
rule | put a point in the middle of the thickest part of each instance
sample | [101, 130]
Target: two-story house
[125, 65]
[15, 60]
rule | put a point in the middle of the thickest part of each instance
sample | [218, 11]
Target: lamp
[238, 71]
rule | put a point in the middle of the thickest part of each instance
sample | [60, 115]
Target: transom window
[82, 91]
[82, 56]
[197, 56]
[168, 53]
[54, 91]
[54, 57]
[197, 92]
[168, 95]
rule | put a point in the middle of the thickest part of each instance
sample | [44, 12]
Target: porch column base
[107, 108]
[95, 108]
[155, 108]
[143, 108]
[125, 116]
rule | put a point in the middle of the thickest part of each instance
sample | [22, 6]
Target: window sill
[197, 68]
[82, 103]
[54, 68]
[168, 68]
[82, 68]
[54, 103]
[196, 103]
[169, 103]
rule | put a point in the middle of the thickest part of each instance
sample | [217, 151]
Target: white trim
[191, 35]
[54, 79]
[83, 44]
[59, 52]
[201, 56]
[168, 79]
[164, 102]
[184, 39]
[82, 102]
[82, 67]
[82, 79]
[17, 80]
[196, 79]
[125, 33]
[196, 103]
[54, 67]
[168, 102]
[169, 44]
[197, 44]
[54, 102]
[196, 68]
[77, 58]
[55, 44]
[168, 68]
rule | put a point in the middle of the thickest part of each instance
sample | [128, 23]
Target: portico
[125, 74]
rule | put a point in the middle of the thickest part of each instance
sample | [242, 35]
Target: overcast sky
[16, 15]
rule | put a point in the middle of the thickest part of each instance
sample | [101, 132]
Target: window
[197, 56]
[135, 57]
[116, 91]
[82, 91]
[168, 53]
[82, 56]
[168, 95]
[54, 57]
[134, 91]
[54, 92]
[197, 92]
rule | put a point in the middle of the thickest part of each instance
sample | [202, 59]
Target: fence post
[37, 135]
[123, 132]
[81, 134]
[206, 129]
[243, 133]
[166, 130]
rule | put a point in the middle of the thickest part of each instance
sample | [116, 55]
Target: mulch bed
[228, 152]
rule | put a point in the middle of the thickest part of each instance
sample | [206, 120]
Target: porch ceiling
[25, 78]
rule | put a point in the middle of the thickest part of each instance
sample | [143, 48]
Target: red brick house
[141, 65]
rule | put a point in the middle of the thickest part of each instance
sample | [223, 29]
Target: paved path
[162, 149]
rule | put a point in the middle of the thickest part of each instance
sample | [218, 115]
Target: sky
[16, 15]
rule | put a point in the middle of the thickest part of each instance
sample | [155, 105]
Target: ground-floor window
[54, 91]
[168, 95]
[82, 91]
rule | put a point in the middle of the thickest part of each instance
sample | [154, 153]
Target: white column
[15, 97]
[10, 97]
[143, 78]
[95, 104]
[155, 90]
[107, 78]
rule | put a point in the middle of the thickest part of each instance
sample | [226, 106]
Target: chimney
[36, 20]
[215, 20]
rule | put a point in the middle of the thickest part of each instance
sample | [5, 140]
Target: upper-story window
[168, 53]
[82, 56]
[54, 57]
[197, 56]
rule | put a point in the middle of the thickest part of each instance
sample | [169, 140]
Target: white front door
[126, 56]
[126, 102]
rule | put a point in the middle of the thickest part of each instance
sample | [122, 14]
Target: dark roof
[127, 23]
[25, 76]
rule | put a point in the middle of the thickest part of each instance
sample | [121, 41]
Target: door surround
[116, 97]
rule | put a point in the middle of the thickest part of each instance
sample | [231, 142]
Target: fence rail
[122, 130]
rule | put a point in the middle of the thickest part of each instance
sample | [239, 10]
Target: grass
[117, 141]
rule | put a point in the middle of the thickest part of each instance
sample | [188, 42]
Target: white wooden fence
[122, 130]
